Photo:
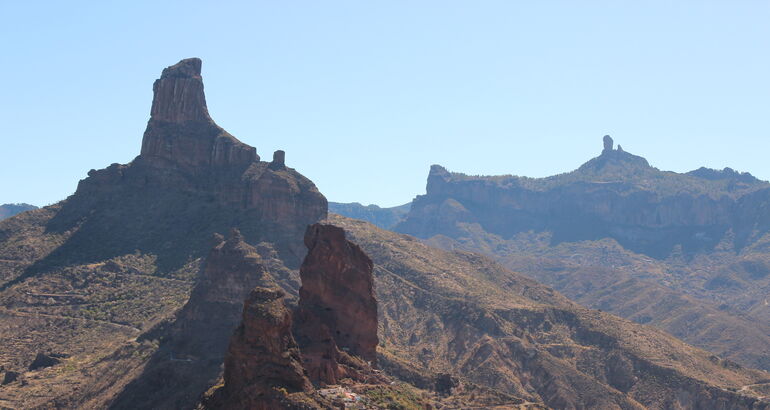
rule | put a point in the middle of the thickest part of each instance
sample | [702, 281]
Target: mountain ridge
[600, 236]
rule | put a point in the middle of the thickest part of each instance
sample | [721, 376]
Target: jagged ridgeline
[130, 287]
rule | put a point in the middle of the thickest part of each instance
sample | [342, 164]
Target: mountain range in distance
[686, 252]
[9, 210]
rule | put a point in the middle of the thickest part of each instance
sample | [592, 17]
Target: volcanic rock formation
[685, 252]
[180, 129]
[125, 249]
[608, 143]
[263, 357]
[337, 314]
[337, 286]
[190, 169]
[336, 328]
[616, 195]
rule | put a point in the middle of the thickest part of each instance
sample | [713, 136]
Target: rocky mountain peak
[187, 68]
[180, 129]
[178, 93]
[614, 160]
[608, 143]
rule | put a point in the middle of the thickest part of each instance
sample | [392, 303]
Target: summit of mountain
[119, 257]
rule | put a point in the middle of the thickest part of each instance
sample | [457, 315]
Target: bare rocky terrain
[684, 252]
[200, 276]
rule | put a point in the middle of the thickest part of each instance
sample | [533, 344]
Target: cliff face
[337, 313]
[335, 327]
[263, 356]
[180, 130]
[337, 290]
[616, 195]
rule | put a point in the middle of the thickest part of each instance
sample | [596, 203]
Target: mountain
[684, 252]
[126, 295]
[385, 218]
[9, 210]
[517, 341]
[118, 258]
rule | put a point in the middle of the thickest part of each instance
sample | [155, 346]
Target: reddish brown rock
[180, 129]
[337, 314]
[191, 354]
[263, 361]
[179, 93]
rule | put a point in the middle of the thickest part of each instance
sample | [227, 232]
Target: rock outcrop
[180, 129]
[43, 360]
[195, 345]
[335, 326]
[190, 173]
[203, 327]
[608, 143]
[192, 179]
[337, 307]
[263, 366]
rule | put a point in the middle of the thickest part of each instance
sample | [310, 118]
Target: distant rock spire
[279, 160]
[608, 143]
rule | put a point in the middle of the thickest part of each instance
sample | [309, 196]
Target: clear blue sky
[365, 95]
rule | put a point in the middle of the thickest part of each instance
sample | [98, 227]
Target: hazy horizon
[364, 97]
